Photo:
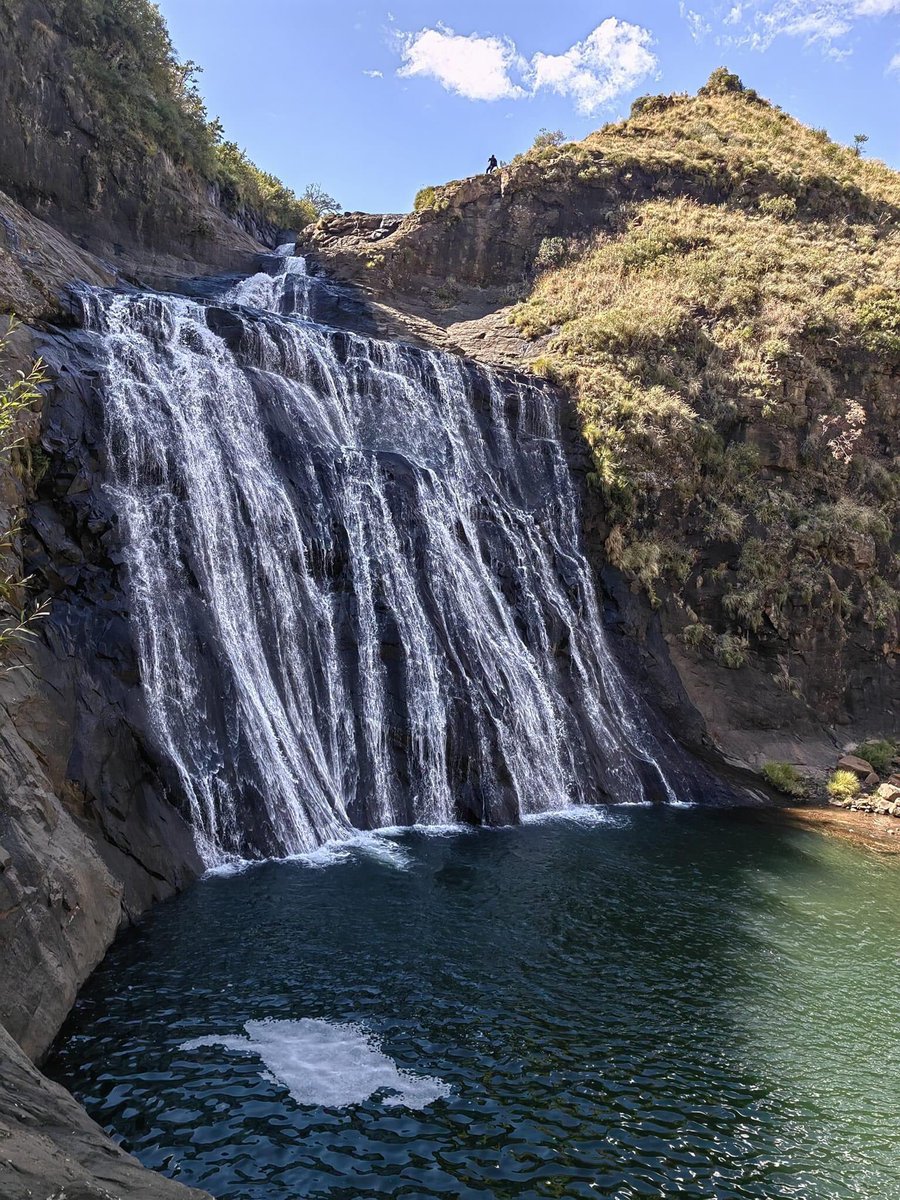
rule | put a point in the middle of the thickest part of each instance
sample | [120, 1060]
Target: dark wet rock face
[356, 586]
[84, 814]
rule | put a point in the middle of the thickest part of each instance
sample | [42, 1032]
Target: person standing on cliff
[492, 164]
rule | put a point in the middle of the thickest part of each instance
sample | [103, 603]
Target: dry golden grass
[761, 307]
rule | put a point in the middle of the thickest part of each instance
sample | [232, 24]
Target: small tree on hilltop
[320, 200]
[859, 140]
[547, 138]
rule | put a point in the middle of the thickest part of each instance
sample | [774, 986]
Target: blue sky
[375, 100]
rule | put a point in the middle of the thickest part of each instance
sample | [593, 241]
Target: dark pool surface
[657, 1004]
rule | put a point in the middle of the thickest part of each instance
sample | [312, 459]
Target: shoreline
[870, 831]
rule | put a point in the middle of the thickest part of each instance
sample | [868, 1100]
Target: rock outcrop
[141, 213]
[89, 837]
[38, 264]
[50, 1149]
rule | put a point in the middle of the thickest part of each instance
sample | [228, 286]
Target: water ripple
[673, 1004]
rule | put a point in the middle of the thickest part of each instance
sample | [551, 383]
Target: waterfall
[284, 288]
[355, 577]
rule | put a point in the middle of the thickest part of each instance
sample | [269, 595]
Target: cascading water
[356, 584]
[285, 290]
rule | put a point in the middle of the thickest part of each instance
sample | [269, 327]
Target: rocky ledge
[51, 1150]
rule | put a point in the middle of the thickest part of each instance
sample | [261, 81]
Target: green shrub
[783, 207]
[879, 753]
[785, 778]
[878, 314]
[552, 252]
[843, 786]
[246, 185]
[731, 650]
[426, 198]
[19, 392]
[645, 105]
[697, 634]
[720, 82]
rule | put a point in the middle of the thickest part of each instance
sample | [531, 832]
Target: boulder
[859, 766]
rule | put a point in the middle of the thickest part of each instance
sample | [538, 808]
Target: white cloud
[894, 64]
[611, 60]
[757, 23]
[374, 74]
[696, 23]
[818, 26]
[877, 8]
[478, 68]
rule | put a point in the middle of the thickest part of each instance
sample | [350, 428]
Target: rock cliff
[52, 1149]
[88, 839]
[714, 285]
[71, 161]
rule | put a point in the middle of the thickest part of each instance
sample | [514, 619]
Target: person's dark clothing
[492, 164]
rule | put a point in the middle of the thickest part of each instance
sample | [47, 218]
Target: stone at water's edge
[49, 1147]
[859, 766]
[77, 864]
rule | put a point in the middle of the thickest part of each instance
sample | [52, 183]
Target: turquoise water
[640, 1004]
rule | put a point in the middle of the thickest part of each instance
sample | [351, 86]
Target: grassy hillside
[734, 348]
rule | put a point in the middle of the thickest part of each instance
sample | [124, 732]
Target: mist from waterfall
[356, 583]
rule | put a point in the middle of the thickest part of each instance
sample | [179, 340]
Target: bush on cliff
[426, 198]
[880, 754]
[785, 778]
[19, 391]
[548, 137]
[141, 97]
[844, 787]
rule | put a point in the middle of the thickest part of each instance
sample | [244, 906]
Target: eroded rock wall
[53, 1150]
[143, 214]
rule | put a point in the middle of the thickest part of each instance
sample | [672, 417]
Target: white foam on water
[381, 845]
[231, 866]
[584, 814]
[328, 1065]
[453, 829]
[368, 843]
